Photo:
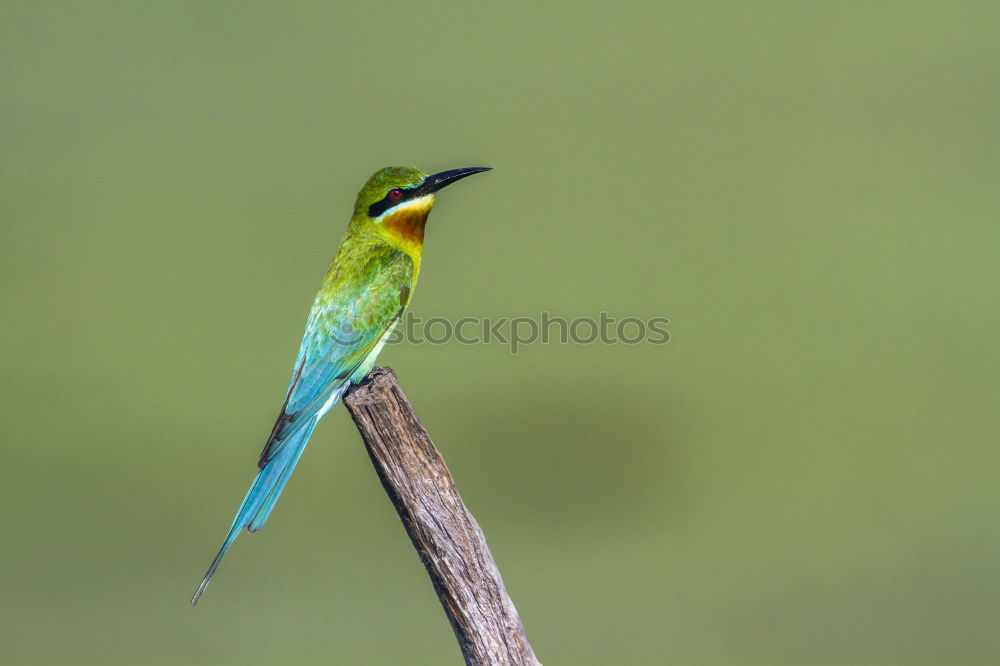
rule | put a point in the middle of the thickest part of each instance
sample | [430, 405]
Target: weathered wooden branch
[447, 537]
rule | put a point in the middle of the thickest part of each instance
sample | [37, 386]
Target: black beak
[445, 178]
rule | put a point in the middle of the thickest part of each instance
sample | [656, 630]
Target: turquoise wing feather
[343, 328]
[348, 319]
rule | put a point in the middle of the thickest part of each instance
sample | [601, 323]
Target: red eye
[395, 193]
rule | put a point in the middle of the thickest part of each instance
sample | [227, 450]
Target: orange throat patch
[405, 224]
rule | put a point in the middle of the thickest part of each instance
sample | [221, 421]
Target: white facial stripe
[420, 203]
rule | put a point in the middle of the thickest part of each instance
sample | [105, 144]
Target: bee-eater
[359, 303]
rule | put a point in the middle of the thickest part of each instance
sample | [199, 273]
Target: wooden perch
[447, 537]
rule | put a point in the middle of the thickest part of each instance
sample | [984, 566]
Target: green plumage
[362, 296]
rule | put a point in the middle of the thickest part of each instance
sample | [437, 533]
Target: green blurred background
[805, 475]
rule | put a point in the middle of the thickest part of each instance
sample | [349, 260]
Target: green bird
[362, 297]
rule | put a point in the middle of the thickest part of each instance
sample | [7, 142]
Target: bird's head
[397, 200]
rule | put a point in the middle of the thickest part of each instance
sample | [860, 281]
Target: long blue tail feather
[261, 498]
[263, 510]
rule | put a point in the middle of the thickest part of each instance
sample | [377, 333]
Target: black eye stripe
[388, 202]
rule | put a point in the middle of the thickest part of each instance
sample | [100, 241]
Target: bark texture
[446, 536]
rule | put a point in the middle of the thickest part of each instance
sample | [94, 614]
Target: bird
[368, 286]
